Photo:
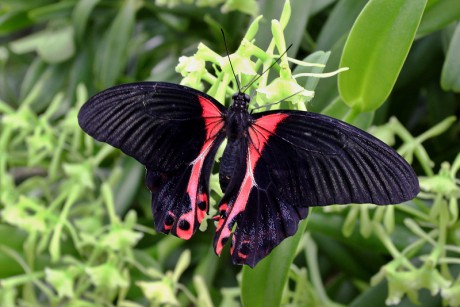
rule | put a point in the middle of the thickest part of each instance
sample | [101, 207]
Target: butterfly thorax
[238, 119]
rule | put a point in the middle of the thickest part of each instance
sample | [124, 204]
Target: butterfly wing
[300, 159]
[175, 132]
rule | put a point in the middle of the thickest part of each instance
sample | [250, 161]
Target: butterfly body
[275, 165]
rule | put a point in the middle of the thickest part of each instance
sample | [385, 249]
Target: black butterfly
[275, 166]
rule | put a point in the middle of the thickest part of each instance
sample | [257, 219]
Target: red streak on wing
[212, 117]
[203, 197]
[259, 134]
[213, 124]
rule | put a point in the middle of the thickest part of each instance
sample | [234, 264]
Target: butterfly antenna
[254, 79]
[228, 55]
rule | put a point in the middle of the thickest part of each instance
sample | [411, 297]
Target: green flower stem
[53, 170]
[439, 250]
[101, 155]
[31, 97]
[321, 75]
[453, 209]
[351, 116]
[437, 129]
[30, 249]
[414, 248]
[5, 137]
[28, 279]
[5, 108]
[389, 219]
[412, 144]
[311, 252]
[385, 239]
[188, 294]
[53, 107]
[414, 212]
[285, 14]
[253, 28]
[55, 244]
[20, 280]
[445, 260]
[455, 167]
[418, 231]
[107, 195]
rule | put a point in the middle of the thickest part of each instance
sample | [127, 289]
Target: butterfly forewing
[326, 161]
[175, 132]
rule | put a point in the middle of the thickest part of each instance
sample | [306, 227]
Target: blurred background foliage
[76, 227]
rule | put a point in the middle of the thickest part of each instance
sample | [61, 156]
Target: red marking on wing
[213, 124]
[167, 227]
[259, 133]
[202, 198]
[190, 218]
[212, 117]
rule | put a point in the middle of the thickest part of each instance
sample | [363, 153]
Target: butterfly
[276, 164]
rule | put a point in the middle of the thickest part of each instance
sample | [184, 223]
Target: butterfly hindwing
[171, 129]
[296, 160]
[262, 219]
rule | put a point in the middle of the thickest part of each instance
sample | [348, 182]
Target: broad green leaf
[266, 281]
[57, 45]
[127, 186]
[339, 22]
[375, 51]
[111, 57]
[15, 14]
[61, 9]
[13, 21]
[450, 77]
[438, 15]
[81, 14]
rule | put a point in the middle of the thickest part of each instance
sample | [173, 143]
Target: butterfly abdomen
[230, 165]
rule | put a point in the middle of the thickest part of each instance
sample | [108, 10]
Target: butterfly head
[240, 101]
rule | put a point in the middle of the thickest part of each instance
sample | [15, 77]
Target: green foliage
[375, 51]
[75, 221]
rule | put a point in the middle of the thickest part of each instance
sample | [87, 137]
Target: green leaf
[52, 11]
[339, 22]
[80, 15]
[57, 46]
[375, 51]
[13, 21]
[266, 281]
[450, 77]
[374, 296]
[112, 57]
[438, 15]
